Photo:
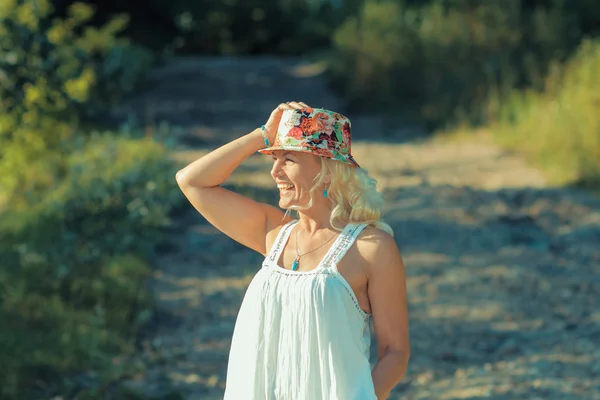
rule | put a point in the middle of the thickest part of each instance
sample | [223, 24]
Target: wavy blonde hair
[353, 194]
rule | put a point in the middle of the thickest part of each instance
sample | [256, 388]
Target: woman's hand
[273, 122]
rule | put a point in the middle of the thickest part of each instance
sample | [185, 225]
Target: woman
[302, 331]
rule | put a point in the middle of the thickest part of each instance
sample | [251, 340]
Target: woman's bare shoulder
[375, 237]
[375, 245]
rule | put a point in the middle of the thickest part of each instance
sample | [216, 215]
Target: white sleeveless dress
[301, 335]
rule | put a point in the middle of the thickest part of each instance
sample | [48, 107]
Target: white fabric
[301, 335]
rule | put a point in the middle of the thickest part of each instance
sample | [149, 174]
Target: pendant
[295, 264]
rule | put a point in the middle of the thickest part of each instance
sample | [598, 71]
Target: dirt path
[503, 271]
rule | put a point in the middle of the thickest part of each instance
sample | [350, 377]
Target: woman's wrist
[263, 133]
[258, 139]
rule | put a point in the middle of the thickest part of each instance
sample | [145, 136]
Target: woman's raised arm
[241, 218]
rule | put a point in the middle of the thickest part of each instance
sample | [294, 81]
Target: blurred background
[479, 119]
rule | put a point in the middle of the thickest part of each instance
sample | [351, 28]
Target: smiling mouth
[285, 188]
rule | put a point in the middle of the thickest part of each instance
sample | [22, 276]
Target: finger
[295, 104]
[304, 104]
[283, 106]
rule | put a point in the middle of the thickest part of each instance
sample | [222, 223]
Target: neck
[312, 227]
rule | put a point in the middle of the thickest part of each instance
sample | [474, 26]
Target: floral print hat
[314, 130]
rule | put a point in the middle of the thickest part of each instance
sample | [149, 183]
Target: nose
[276, 169]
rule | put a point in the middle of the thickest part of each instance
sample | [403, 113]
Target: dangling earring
[325, 192]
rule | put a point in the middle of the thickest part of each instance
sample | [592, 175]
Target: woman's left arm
[387, 296]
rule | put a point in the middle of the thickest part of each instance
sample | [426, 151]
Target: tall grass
[559, 128]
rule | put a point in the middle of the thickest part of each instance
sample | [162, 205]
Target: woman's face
[294, 173]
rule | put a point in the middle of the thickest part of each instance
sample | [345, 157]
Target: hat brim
[302, 149]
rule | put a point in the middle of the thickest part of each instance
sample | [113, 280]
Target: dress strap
[282, 237]
[348, 238]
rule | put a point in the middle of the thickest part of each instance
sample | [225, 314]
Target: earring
[325, 192]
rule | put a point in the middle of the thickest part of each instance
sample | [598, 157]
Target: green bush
[52, 73]
[61, 66]
[438, 62]
[558, 129]
[74, 262]
[80, 212]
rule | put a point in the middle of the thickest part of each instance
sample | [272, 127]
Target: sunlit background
[479, 119]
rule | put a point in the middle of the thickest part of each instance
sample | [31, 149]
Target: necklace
[296, 263]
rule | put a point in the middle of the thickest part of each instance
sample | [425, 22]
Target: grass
[557, 130]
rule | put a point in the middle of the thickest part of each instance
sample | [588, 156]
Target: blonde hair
[353, 194]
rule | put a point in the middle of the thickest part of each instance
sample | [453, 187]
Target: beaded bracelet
[264, 135]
